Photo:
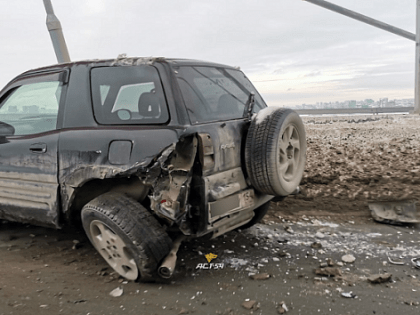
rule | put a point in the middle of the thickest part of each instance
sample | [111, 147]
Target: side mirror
[6, 129]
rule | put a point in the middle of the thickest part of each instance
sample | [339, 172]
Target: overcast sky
[293, 51]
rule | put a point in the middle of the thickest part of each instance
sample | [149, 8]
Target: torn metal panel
[123, 60]
[225, 183]
[233, 218]
[167, 175]
[77, 174]
[82, 161]
[206, 152]
[171, 190]
[232, 222]
[395, 212]
[231, 204]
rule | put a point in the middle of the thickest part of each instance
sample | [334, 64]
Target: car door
[29, 108]
[216, 99]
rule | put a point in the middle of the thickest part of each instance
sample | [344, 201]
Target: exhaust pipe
[167, 267]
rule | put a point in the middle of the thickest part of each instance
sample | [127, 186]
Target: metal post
[56, 33]
[389, 28]
[417, 73]
[363, 18]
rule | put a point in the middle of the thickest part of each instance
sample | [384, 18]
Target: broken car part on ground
[143, 151]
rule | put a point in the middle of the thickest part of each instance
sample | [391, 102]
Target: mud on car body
[143, 152]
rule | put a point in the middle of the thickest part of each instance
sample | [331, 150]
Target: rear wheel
[275, 151]
[126, 235]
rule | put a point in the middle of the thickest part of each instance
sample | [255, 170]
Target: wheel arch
[89, 190]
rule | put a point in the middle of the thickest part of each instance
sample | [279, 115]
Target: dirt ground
[354, 160]
[351, 161]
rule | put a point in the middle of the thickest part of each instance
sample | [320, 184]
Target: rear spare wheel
[275, 151]
[126, 235]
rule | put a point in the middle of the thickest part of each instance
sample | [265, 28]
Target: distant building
[32, 109]
[12, 109]
[383, 102]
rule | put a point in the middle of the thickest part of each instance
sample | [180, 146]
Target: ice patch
[357, 243]
[318, 223]
[264, 113]
[237, 262]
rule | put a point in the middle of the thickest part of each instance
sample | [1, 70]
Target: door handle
[38, 147]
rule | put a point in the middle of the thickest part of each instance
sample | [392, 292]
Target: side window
[199, 111]
[213, 93]
[128, 95]
[31, 108]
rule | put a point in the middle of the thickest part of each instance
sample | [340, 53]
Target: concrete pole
[56, 33]
[417, 71]
[363, 18]
[389, 28]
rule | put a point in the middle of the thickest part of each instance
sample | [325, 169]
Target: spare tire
[275, 151]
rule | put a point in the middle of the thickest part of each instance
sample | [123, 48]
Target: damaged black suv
[143, 152]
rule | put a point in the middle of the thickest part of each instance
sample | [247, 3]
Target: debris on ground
[289, 230]
[76, 244]
[260, 276]
[282, 308]
[348, 259]
[316, 245]
[349, 295]
[328, 271]
[250, 304]
[117, 292]
[395, 212]
[379, 278]
[416, 262]
[375, 161]
[394, 262]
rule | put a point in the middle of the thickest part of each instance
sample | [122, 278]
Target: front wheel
[126, 235]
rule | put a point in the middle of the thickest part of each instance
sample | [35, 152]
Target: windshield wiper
[249, 106]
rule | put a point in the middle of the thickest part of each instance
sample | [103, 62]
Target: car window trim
[61, 75]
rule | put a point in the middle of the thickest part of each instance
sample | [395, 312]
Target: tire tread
[138, 224]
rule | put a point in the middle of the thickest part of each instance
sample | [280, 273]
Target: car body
[168, 133]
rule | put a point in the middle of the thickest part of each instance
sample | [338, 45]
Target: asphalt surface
[46, 271]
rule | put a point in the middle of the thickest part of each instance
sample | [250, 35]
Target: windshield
[213, 93]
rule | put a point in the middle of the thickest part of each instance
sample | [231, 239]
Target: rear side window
[213, 93]
[128, 95]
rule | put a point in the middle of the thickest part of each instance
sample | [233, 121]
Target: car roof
[126, 61]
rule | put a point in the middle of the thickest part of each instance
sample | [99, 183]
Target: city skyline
[366, 103]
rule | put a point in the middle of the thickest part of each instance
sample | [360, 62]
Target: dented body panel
[82, 160]
[28, 180]
[190, 175]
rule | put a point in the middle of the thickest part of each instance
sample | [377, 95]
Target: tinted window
[32, 108]
[128, 95]
[216, 93]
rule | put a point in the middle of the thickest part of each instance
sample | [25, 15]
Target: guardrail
[372, 110]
